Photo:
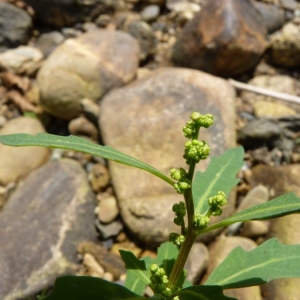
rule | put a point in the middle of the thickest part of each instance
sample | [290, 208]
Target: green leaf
[271, 260]
[203, 292]
[91, 288]
[78, 144]
[278, 207]
[220, 175]
[133, 283]
[135, 266]
[166, 256]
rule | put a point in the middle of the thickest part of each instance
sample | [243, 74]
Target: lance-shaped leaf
[278, 207]
[203, 292]
[135, 266]
[220, 175]
[91, 288]
[78, 144]
[271, 260]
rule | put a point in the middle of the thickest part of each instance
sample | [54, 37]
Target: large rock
[86, 67]
[15, 26]
[145, 120]
[41, 226]
[225, 38]
[16, 163]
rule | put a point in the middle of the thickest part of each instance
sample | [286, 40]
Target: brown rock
[52, 212]
[254, 229]
[109, 261]
[219, 251]
[16, 163]
[225, 38]
[86, 67]
[149, 128]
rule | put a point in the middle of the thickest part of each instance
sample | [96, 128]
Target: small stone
[24, 60]
[99, 177]
[110, 262]
[47, 42]
[284, 47]
[150, 13]
[109, 230]
[18, 162]
[129, 246]
[92, 266]
[272, 109]
[83, 127]
[90, 110]
[15, 26]
[254, 229]
[108, 209]
[108, 276]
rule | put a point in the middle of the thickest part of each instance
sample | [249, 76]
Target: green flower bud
[195, 116]
[217, 211]
[167, 292]
[154, 268]
[178, 221]
[201, 220]
[173, 236]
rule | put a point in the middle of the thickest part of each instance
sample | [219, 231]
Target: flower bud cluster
[180, 211]
[183, 183]
[215, 202]
[195, 151]
[201, 221]
[159, 281]
[176, 238]
[198, 120]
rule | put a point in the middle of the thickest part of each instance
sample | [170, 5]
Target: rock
[24, 60]
[90, 109]
[18, 162]
[257, 195]
[273, 17]
[83, 127]
[140, 30]
[92, 266]
[272, 109]
[284, 50]
[61, 13]
[128, 246]
[197, 262]
[279, 179]
[254, 229]
[259, 131]
[86, 67]
[109, 230]
[150, 13]
[109, 261]
[15, 26]
[52, 212]
[219, 251]
[108, 209]
[225, 38]
[289, 4]
[99, 177]
[157, 106]
[278, 83]
[47, 42]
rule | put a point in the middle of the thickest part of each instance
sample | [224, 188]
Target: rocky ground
[128, 73]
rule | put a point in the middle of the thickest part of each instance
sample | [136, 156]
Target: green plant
[204, 195]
